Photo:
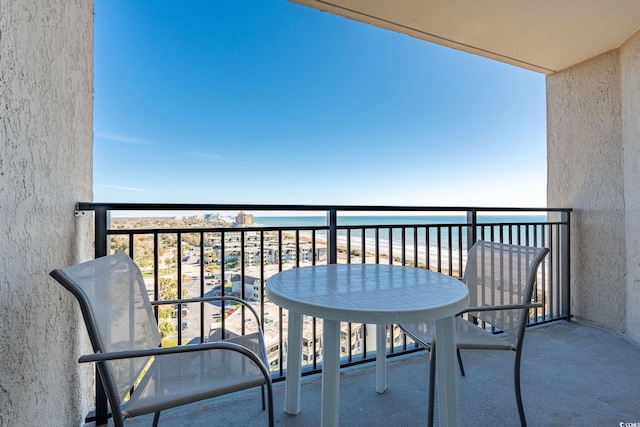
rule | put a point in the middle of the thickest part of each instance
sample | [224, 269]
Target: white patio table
[367, 293]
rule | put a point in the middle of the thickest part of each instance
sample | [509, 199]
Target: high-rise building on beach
[244, 219]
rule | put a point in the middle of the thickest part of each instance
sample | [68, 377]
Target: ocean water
[441, 231]
[311, 221]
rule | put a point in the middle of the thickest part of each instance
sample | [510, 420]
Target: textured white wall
[585, 172]
[630, 72]
[46, 108]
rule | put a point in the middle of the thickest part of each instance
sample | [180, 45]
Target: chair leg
[516, 377]
[156, 417]
[264, 406]
[432, 382]
[460, 362]
[272, 422]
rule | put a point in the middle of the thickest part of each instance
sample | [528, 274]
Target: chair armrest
[501, 307]
[159, 351]
[102, 357]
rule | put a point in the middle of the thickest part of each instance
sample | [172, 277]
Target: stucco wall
[630, 72]
[585, 172]
[46, 106]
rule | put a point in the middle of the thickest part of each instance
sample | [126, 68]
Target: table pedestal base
[446, 371]
[381, 358]
[330, 373]
[294, 367]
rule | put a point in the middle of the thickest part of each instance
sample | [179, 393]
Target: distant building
[243, 219]
[251, 287]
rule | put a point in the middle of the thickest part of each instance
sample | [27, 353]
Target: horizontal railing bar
[506, 224]
[123, 231]
[247, 207]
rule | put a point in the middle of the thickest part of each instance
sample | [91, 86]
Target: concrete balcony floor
[573, 374]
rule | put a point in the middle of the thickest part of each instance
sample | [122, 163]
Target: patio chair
[501, 279]
[126, 343]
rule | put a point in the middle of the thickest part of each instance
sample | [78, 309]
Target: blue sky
[267, 101]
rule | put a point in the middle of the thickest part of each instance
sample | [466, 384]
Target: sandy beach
[380, 254]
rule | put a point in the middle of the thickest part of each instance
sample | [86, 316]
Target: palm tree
[166, 328]
[169, 293]
[165, 312]
[168, 288]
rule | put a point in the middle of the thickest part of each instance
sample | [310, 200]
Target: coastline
[371, 257]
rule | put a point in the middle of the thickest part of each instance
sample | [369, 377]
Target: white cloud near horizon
[122, 188]
[245, 161]
[122, 138]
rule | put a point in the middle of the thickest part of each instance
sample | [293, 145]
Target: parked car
[184, 307]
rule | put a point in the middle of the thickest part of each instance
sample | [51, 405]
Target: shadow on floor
[572, 375]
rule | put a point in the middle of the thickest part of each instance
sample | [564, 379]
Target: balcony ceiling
[540, 35]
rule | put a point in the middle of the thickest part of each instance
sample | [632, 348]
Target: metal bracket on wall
[79, 213]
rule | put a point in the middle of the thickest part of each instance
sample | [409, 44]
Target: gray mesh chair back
[502, 275]
[126, 343]
[116, 305]
[501, 279]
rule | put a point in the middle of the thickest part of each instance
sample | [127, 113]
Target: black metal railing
[195, 257]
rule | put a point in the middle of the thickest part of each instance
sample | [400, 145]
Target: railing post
[565, 264]
[101, 249]
[101, 224]
[472, 222]
[332, 241]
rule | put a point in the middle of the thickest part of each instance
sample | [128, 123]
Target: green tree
[168, 288]
[143, 253]
[192, 239]
[170, 261]
[168, 240]
[165, 312]
[166, 328]
[210, 257]
[212, 268]
[119, 243]
[169, 293]
[230, 265]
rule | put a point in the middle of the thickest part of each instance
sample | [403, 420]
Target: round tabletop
[368, 293]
